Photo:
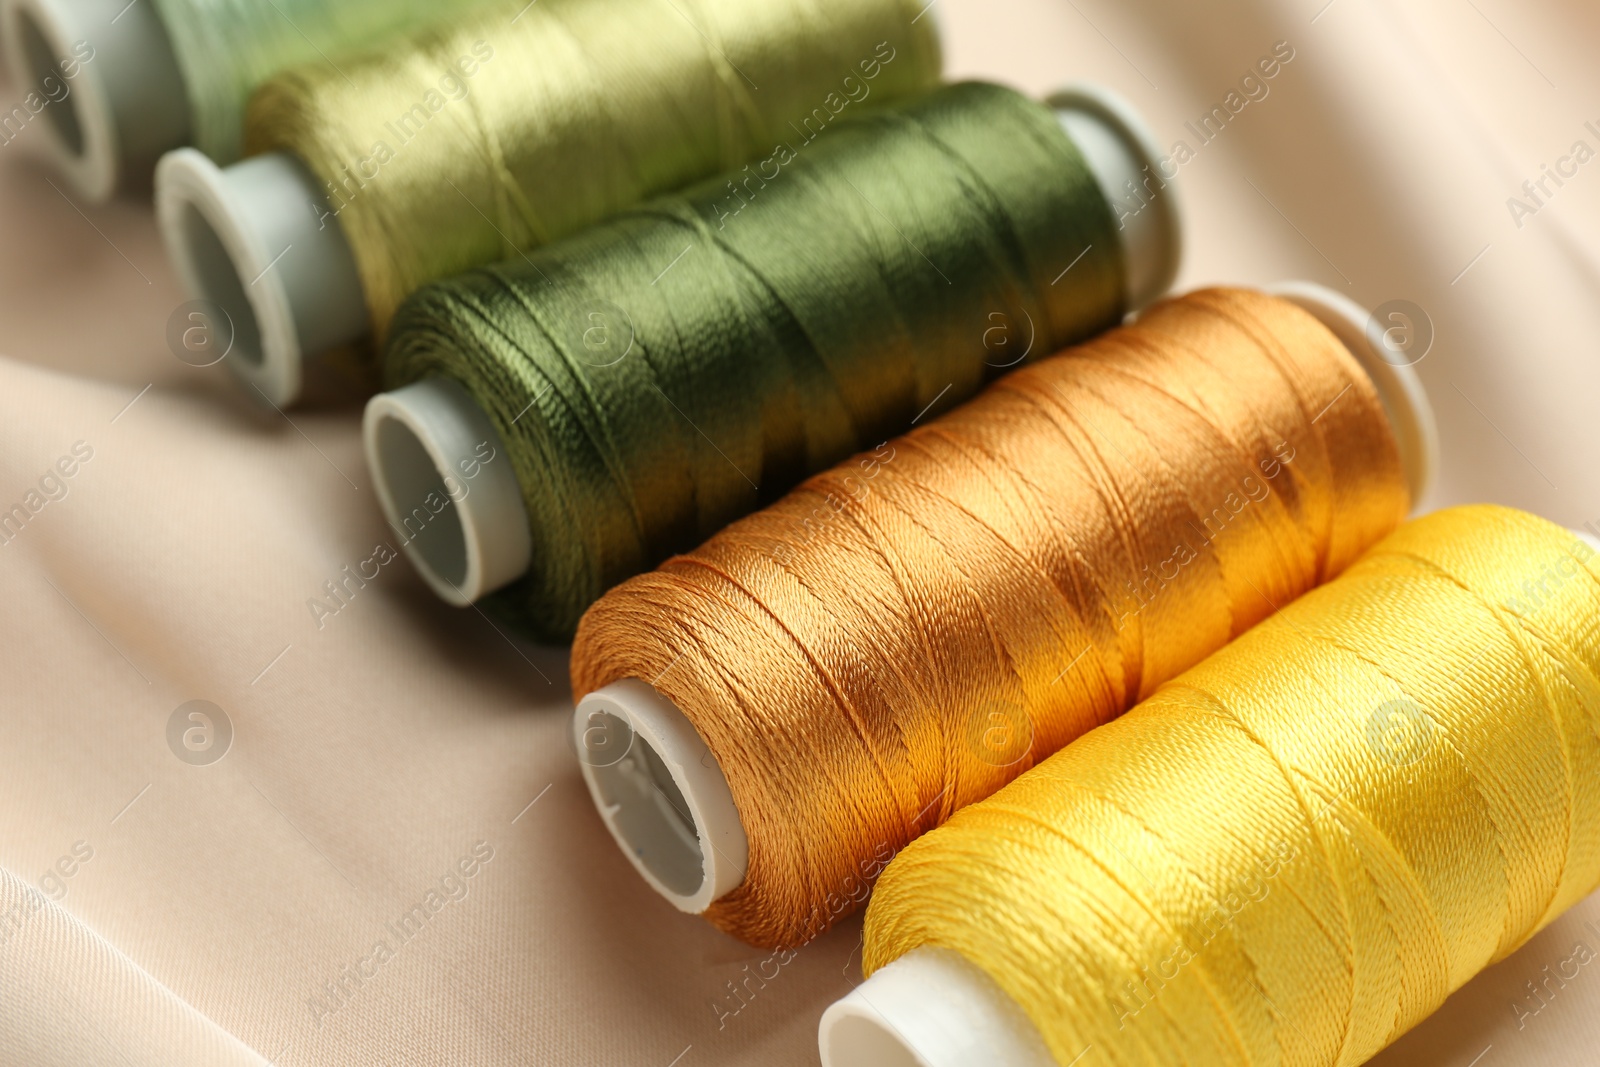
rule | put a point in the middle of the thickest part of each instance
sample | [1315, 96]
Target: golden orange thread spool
[908, 632]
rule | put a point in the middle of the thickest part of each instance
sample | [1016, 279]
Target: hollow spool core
[106, 126]
[258, 240]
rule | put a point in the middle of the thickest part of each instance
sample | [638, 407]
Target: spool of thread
[671, 370]
[1290, 854]
[516, 125]
[772, 716]
[129, 81]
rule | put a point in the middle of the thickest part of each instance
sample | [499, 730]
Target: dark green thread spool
[644, 383]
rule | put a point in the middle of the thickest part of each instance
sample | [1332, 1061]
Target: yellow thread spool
[1290, 854]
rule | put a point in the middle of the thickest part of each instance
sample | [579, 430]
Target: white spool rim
[93, 167]
[929, 1008]
[1165, 218]
[200, 213]
[1399, 386]
[425, 439]
[661, 793]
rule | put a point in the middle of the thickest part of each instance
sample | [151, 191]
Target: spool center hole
[219, 281]
[46, 79]
[424, 512]
[646, 806]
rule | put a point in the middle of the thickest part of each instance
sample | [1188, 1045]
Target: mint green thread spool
[139, 79]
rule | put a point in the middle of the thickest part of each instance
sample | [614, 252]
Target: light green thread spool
[134, 80]
[502, 131]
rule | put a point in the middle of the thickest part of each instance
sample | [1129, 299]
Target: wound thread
[673, 369]
[226, 48]
[908, 632]
[519, 124]
[1295, 851]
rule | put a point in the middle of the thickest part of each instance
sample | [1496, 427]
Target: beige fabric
[73, 998]
[372, 755]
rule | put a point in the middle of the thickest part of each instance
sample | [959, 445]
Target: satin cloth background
[371, 755]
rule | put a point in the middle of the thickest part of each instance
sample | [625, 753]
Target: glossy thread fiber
[673, 369]
[907, 633]
[226, 48]
[1295, 851]
[521, 124]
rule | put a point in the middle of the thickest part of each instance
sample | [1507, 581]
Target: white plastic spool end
[105, 127]
[1398, 385]
[929, 1008]
[258, 239]
[1125, 159]
[661, 794]
[445, 484]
